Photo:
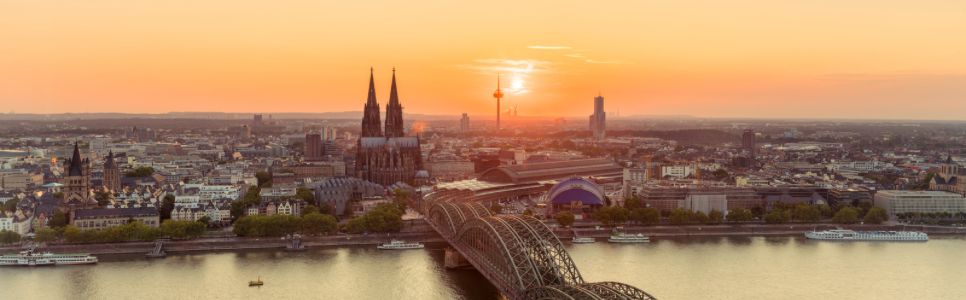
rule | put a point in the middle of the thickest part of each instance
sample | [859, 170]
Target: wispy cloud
[548, 47]
[608, 62]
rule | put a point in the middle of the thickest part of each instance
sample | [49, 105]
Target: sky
[728, 58]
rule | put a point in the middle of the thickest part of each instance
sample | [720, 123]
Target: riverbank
[421, 233]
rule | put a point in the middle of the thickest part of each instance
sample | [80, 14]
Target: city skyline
[742, 59]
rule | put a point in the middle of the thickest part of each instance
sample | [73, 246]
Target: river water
[705, 268]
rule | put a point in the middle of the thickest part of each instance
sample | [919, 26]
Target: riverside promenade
[419, 232]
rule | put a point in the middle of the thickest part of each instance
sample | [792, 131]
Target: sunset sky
[734, 58]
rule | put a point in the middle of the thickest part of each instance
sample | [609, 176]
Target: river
[695, 268]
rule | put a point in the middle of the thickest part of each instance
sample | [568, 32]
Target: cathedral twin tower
[386, 157]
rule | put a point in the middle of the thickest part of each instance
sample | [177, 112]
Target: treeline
[386, 217]
[281, 225]
[130, 232]
[9, 237]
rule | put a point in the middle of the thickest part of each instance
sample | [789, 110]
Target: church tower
[112, 176]
[394, 117]
[371, 127]
[77, 180]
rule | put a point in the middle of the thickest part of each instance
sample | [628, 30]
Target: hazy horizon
[708, 59]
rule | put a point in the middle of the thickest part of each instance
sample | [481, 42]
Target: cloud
[546, 47]
[505, 65]
[609, 62]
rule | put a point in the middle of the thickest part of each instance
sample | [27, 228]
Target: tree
[612, 215]
[699, 217]
[58, 220]
[715, 217]
[846, 215]
[680, 216]
[264, 179]
[306, 195]
[11, 205]
[739, 215]
[311, 209]
[140, 172]
[205, 220]
[167, 205]
[527, 212]
[9, 237]
[103, 198]
[565, 218]
[318, 224]
[252, 197]
[876, 215]
[401, 198]
[632, 203]
[777, 216]
[46, 235]
[826, 210]
[720, 174]
[182, 229]
[806, 213]
[326, 209]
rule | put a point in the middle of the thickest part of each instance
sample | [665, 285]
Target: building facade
[898, 202]
[77, 181]
[386, 157]
[100, 218]
[112, 175]
[598, 120]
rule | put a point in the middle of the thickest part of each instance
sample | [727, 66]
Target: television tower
[498, 94]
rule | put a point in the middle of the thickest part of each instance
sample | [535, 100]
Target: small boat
[583, 240]
[257, 282]
[399, 245]
[621, 237]
[30, 258]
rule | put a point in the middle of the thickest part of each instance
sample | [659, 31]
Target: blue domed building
[577, 195]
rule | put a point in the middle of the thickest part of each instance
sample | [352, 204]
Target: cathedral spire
[75, 168]
[370, 116]
[394, 120]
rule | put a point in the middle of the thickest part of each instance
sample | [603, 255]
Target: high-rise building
[112, 175]
[748, 143]
[313, 147]
[77, 180]
[257, 120]
[598, 120]
[465, 123]
[390, 158]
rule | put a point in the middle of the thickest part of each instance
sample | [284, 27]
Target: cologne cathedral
[386, 157]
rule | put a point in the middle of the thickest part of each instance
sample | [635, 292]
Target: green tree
[264, 179]
[806, 213]
[58, 220]
[167, 205]
[739, 215]
[680, 216]
[565, 218]
[9, 237]
[846, 215]
[305, 195]
[103, 198]
[826, 210]
[205, 220]
[46, 235]
[356, 225]
[401, 198]
[311, 209]
[632, 203]
[876, 215]
[252, 197]
[140, 172]
[11, 205]
[612, 215]
[318, 224]
[715, 217]
[777, 216]
[720, 174]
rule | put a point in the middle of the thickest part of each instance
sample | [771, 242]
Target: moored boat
[31, 258]
[399, 245]
[851, 235]
[257, 282]
[583, 240]
[621, 237]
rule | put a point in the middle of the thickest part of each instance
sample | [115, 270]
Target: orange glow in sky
[734, 58]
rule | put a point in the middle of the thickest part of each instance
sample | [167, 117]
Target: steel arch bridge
[519, 254]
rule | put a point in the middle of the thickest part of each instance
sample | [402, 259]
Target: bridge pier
[452, 259]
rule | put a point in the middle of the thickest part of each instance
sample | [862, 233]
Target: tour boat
[399, 245]
[621, 237]
[851, 235]
[31, 258]
[583, 240]
[256, 282]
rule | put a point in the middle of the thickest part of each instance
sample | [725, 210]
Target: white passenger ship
[621, 237]
[31, 258]
[399, 245]
[851, 235]
[583, 240]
